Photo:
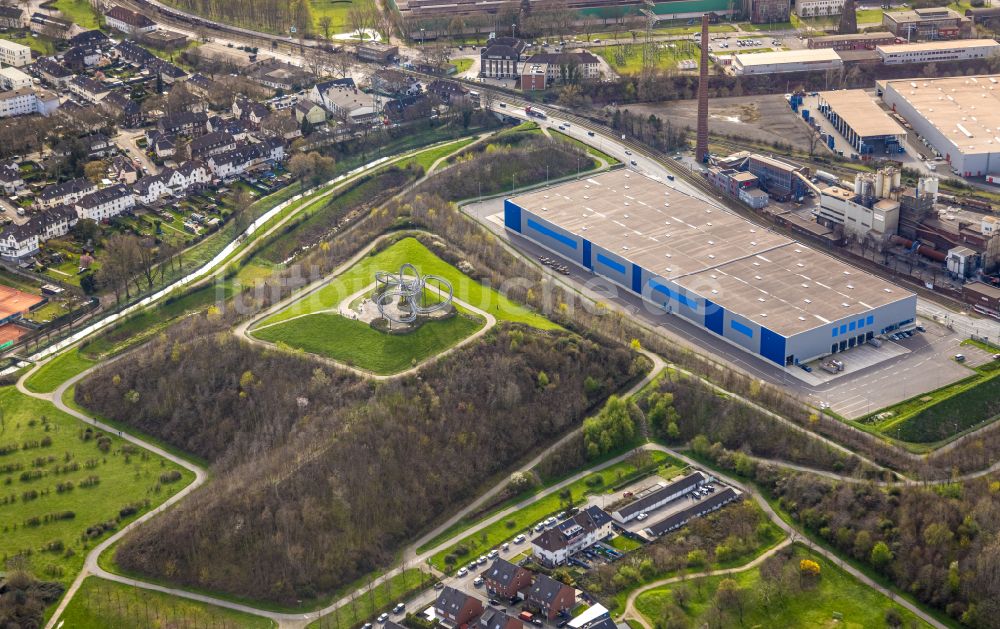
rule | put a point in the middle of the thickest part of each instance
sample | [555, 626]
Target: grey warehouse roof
[772, 280]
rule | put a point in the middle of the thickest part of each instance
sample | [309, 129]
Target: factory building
[958, 116]
[868, 211]
[818, 8]
[855, 41]
[932, 23]
[767, 11]
[763, 292]
[786, 61]
[778, 178]
[929, 52]
[865, 125]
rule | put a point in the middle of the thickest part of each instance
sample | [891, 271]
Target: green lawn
[102, 604]
[462, 64]
[941, 414]
[835, 599]
[62, 479]
[357, 344]
[41, 45]
[427, 158]
[627, 59]
[391, 258]
[523, 519]
[80, 11]
[58, 370]
[337, 10]
[624, 544]
[382, 596]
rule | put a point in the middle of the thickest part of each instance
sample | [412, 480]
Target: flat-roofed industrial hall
[768, 294]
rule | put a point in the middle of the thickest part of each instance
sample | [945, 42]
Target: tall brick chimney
[701, 144]
[848, 19]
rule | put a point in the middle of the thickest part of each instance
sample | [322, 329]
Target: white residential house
[13, 79]
[17, 241]
[149, 189]
[66, 193]
[21, 241]
[10, 178]
[105, 203]
[555, 545]
[14, 54]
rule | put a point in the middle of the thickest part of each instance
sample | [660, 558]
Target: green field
[381, 596]
[41, 45]
[523, 519]
[68, 486]
[337, 11]
[391, 258]
[943, 413]
[102, 604]
[834, 599]
[627, 58]
[427, 158]
[462, 64]
[357, 344]
[58, 370]
[79, 11]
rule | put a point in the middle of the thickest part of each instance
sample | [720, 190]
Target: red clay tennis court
[13, 301]
[10, 333]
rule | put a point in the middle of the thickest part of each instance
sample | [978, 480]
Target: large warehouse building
[770, 295]
[787, 61]
[862, 122]
[959, 116]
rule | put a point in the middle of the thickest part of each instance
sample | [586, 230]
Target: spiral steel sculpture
[408, 286]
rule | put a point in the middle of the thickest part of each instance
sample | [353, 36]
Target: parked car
[505, 546]
[519, 539]
[440, 586]
[482, 559]
[478, 582]
[590, 133]
[382, 618]
[399, 608]
[493, 553]
[462, 572]
[960, 358]
[642, 516]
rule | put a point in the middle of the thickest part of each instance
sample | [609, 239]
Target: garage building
[958, 116]
[767, 294]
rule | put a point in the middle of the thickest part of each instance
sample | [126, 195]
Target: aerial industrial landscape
[485, 314]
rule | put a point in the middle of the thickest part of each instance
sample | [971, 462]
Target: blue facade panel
[611, 263]
[586, 255]
[772, 346]
[684, 300]
[553, 234]
[512, 215]
[745, 330]
[715, 317]
[637, 279]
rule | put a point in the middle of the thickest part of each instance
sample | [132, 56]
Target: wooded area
[312, 463]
